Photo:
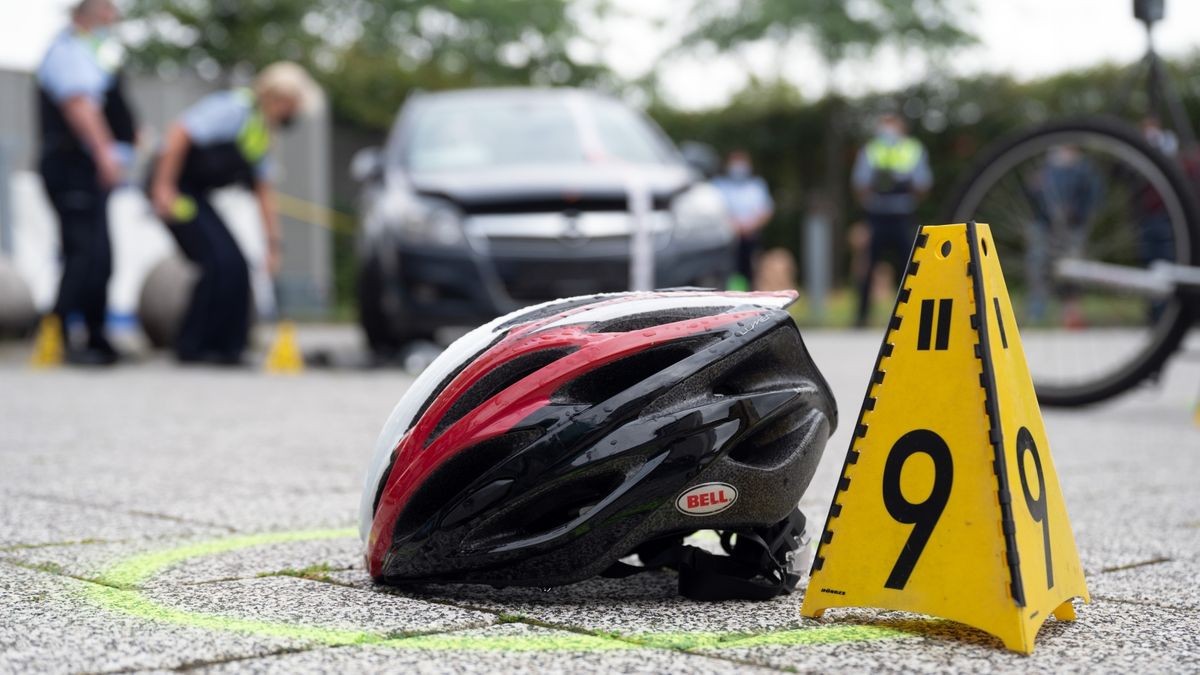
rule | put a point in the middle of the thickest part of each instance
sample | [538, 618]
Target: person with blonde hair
[225, 139]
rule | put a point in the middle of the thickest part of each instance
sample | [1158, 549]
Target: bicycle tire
[1169, 334]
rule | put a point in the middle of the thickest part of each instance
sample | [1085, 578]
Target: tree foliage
[221, 34]
[955, 117]
[836, 29]
[370, 53]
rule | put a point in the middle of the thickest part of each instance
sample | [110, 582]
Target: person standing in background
[890, 177]
[87, 135]
[1066, 194]
[750, 207]
[224, 140]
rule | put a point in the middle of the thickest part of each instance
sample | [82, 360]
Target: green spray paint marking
[134, 571]
[117, 590]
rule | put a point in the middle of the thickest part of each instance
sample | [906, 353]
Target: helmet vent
[614, 378]
[537, 313]
[650, 320]
[769, 364]
[445, 382]
[456, 475]
[500, 378]
[549, 510]
[772, 445]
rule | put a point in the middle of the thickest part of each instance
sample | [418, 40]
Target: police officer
[1065, 195]
[87, 132]
[750, 207]
[223, 140]
[891, 175]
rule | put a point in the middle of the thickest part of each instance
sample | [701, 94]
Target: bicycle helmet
[543, 447]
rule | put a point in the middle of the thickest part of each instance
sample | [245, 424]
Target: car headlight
[699, 213]
[432, 221]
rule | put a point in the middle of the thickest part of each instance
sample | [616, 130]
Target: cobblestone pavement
[159, 518]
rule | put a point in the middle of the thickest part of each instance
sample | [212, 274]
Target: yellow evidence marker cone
[285, 357]
[949, 503]
[48, 343]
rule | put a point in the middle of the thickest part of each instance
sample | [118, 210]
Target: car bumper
[460, 287]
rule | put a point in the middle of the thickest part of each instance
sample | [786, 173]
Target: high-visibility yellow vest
[899, 158]
[254, 139]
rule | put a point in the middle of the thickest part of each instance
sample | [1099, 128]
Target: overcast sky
[1026, 38]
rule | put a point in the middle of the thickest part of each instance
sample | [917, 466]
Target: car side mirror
[366, 164]
[701, 157]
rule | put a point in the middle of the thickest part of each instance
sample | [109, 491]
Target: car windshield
[479, 132]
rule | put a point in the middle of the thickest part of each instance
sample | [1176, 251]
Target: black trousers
[747, 253]
[217, 323]
[891, 241]
[82, 208]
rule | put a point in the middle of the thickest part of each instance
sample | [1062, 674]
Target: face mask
[739, 170]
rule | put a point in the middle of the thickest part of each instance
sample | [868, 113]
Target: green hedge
[805, 149]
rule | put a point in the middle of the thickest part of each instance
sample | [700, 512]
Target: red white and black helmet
[543, 447]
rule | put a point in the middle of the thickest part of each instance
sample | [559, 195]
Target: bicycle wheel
[1089, 188]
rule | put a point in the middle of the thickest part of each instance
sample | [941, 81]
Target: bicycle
[1099, 231]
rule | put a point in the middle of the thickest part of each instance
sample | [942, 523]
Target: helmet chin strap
[760, 565]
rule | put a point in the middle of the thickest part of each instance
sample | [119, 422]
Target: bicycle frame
[1161, 280]
[1161, 91]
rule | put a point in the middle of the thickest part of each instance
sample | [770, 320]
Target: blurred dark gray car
[484, 201]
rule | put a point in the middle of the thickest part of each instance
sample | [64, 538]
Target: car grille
[535, 281]
[556, 203]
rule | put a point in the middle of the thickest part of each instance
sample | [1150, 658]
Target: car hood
[551, 188]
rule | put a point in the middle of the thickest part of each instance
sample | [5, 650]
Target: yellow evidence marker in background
[284, 357]
[949, 504]
[48, 346]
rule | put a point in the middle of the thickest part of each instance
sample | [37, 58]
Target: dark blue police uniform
[229, 142]
[81, 64]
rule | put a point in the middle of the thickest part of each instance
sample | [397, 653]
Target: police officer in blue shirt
[750, 207]
[87, 132]
[224, 140]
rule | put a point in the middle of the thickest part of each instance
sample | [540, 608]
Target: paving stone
[468, 652]
[150, 457]
[50, 627]
[1103, 548]
[645, 603]
[1174, 583]
[1133, 528]
[272, 511]
[93, 560]
[1108, 637]
[308, 603]
[26, 521]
